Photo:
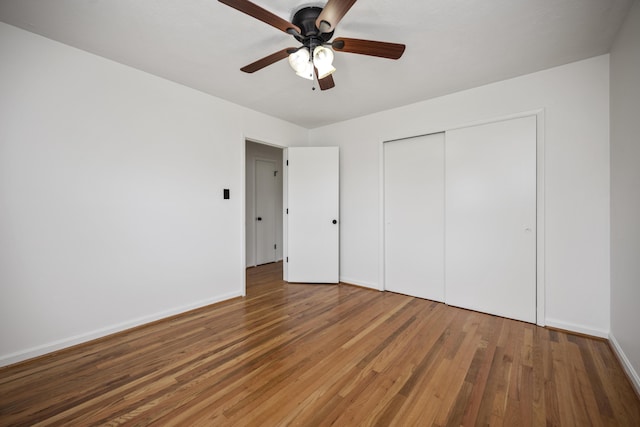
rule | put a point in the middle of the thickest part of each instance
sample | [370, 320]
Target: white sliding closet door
[414, 216]
[490, 243]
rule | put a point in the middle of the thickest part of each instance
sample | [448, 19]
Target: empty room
[350, 213]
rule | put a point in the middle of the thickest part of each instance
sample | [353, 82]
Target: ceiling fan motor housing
[305, 19]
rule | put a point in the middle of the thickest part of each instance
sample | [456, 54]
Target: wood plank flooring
[307, 355]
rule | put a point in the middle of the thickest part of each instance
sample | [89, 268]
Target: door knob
[335, 221]
[259, 218]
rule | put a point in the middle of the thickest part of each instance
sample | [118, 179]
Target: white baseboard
[626, 364]
[576, 328]
[356, 282]
[19, 356]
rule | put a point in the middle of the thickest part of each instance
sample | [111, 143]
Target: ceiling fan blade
[332, 13]
[263, 15]
[325, 83]
[369, 47]
[267, 60]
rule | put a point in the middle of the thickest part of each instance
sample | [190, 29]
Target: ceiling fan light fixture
[306, 72]
[323, 61]
[299, 60]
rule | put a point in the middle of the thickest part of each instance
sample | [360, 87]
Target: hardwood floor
[293, 354]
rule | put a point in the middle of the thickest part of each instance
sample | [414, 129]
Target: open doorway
[263, 203]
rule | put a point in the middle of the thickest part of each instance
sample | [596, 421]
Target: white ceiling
[451, 45]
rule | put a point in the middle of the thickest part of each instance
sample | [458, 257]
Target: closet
[460, 217]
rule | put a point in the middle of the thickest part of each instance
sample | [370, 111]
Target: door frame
[540, 198]
[243, 204]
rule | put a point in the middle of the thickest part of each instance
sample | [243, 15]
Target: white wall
[625, 194]
[256, 151]
[575, 99]
[111, 208]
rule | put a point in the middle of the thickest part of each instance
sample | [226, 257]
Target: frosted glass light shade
[306, 72]
[323, 59]
[299, 61]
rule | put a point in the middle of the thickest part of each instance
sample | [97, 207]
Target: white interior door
[414, 216]
[490, 243]
[312, 215]
[265, 210]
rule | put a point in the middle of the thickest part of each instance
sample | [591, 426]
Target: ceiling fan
[313, 27]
